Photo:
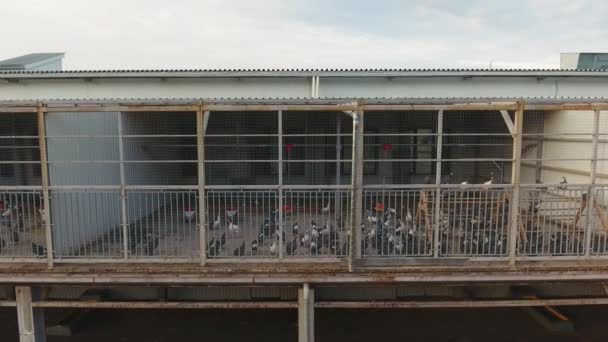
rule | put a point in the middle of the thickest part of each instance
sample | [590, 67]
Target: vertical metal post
[592, 175]
[306, 314]
[202, 210]
[515, 184]
[30, 320]
[280, 189]
[123, 191]
[437, 202]
[44, 175]
[356, 188]
[338, 164]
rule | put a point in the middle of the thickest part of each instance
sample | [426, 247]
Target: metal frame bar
[356, 202]
[592, 178]
[437, 202]
[280, 179]
[202, 206]
[44, 175]
[515, 192]
[123, 192]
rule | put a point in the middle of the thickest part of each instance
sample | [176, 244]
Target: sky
[133, 34]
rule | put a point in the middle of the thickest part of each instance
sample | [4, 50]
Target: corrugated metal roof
[18, 64]
[193, 73]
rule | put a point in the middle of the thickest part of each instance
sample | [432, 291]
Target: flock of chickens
[313, 239]
[12, 222]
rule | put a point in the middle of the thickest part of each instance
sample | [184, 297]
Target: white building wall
[300, 87]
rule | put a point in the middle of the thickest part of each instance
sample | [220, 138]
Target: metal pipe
[280, 185]
[356, 189]
[123, 193]
[202, 208]
[437, 209]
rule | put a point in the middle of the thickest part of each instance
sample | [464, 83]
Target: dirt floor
[332, 325]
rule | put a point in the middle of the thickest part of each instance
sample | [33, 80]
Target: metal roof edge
[228, 73]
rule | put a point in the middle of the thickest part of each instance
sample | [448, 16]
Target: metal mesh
[399, 147]
[476, 148]
[241, 148]
[163, 224]
[21, 224]
[316, 148]
[397, 222]
[86, 224]
[19, 150]
[160, 148]
[405, 214]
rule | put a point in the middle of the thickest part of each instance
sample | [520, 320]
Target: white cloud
[291, 34]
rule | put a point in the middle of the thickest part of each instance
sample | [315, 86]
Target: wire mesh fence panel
[474, 222]
[82, 148]
[316, 222]
[558, 147]
[159, 148]
[552, 220]
[397, 222]
[163, 224]
[399, 147]
[19, 150]
[242, 223]
[86, 224]
[241, 148]
[477, 148]
[21, 224]
[598, 226]
[316, 148]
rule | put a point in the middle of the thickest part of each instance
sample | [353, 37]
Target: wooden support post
[123, 192]
[306, 314]
[202, 210]
[280, 187]
[515, 184]
[437, 202]
[356, 209]
[591, 202]
[44, 175]
[30, 320]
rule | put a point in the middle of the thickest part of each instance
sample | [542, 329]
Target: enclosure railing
[239, 197]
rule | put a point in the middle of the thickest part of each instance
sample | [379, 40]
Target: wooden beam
[356, 209]
[508, 121]
[306, 314]
[515, 183]
[30, 321]
[44, 176]
[202, 208]
[565, 170]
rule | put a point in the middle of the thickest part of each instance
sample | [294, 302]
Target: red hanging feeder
[288, 147]
[379, 206]
[387, 147]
